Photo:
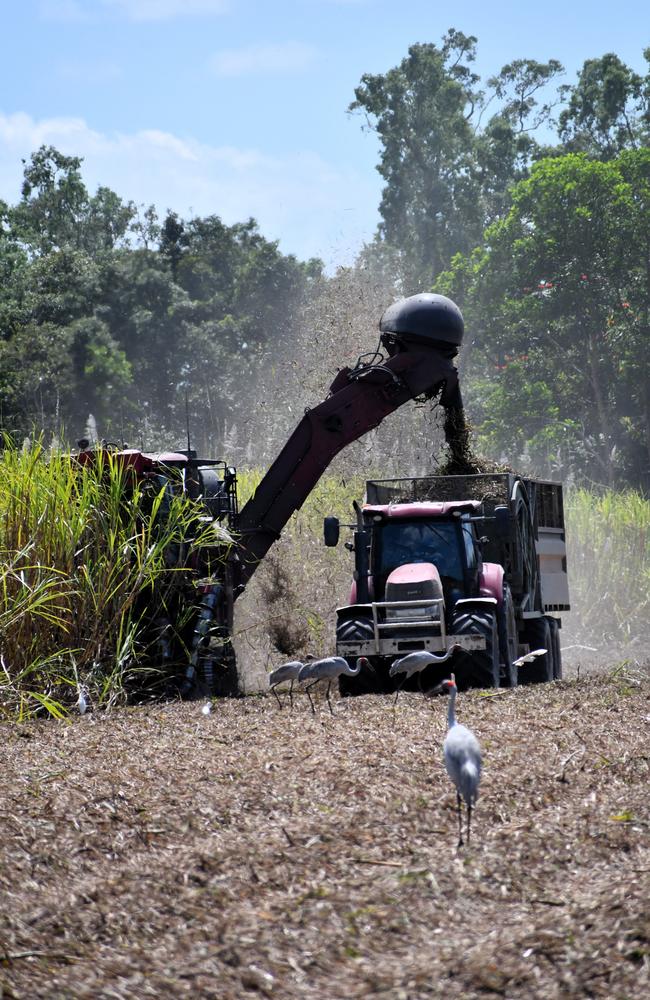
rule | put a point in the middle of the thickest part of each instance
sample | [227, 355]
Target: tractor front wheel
[375, 681]
[479, 668]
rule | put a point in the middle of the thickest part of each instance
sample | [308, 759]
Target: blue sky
[238, 107]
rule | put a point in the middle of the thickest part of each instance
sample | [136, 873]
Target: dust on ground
[160, 852]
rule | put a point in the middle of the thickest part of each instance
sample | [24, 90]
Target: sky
[239, 107]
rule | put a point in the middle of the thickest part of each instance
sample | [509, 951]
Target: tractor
[470, 568]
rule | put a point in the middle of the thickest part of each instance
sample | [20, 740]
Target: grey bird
[415, 663]
[462, 755]
[287, 672]
[329, 668]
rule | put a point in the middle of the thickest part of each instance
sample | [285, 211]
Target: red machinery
[421, 336]
[468, 568]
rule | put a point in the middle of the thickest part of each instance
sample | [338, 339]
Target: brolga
[415, 663]
[462, 755]
[287, 672]
[330, 668]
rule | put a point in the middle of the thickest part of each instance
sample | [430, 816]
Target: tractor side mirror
[331, 531]
[503, 523]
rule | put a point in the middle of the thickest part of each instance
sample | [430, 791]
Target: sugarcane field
[324, 502]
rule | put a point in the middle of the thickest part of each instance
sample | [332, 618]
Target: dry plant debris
[253, 852]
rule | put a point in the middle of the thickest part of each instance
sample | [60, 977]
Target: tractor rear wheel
[508, 640]
[480, 667]
[538, 636]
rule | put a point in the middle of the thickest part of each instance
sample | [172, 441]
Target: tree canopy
[524, 197]
[106, 310]
[446, 173]
[558, 302]
[452, 145]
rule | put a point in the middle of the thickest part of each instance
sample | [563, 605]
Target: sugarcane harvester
[420, 337]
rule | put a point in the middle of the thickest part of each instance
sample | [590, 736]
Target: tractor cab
[420, 583]
[420, 550]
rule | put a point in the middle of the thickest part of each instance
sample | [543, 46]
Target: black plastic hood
[425, 318]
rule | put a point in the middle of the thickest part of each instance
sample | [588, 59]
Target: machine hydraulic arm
[357, 402]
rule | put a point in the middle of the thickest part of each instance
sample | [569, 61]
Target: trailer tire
[538, 636]
[508, 639]
[557, 654]
[479, 668]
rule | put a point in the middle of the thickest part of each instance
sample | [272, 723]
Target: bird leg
[460, 820]
[399, 688]
[291, 692]
[307, 692]
[469, 820]
[276, 696]
[327, 695]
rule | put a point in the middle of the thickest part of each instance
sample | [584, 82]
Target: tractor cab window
[402, 542]
[470, 548]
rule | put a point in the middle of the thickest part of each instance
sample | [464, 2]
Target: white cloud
[285, 57]
[312, 206]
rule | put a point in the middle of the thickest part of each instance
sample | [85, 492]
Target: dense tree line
[528, 201]
[523, 197]
[105, 309]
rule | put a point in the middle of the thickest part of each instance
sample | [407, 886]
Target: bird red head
[444, 687]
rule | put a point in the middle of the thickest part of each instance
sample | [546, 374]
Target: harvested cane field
[157, 851]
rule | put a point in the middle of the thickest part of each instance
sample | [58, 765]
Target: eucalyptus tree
[446, 170]
[608, 109]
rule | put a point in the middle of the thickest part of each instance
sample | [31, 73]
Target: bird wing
[328, 666]
[285, 672]
[462, 755]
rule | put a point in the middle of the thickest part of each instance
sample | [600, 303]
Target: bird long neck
[451, 708]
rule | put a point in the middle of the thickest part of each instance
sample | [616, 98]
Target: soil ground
[160, 852]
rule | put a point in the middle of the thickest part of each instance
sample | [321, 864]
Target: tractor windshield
[402, 542]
